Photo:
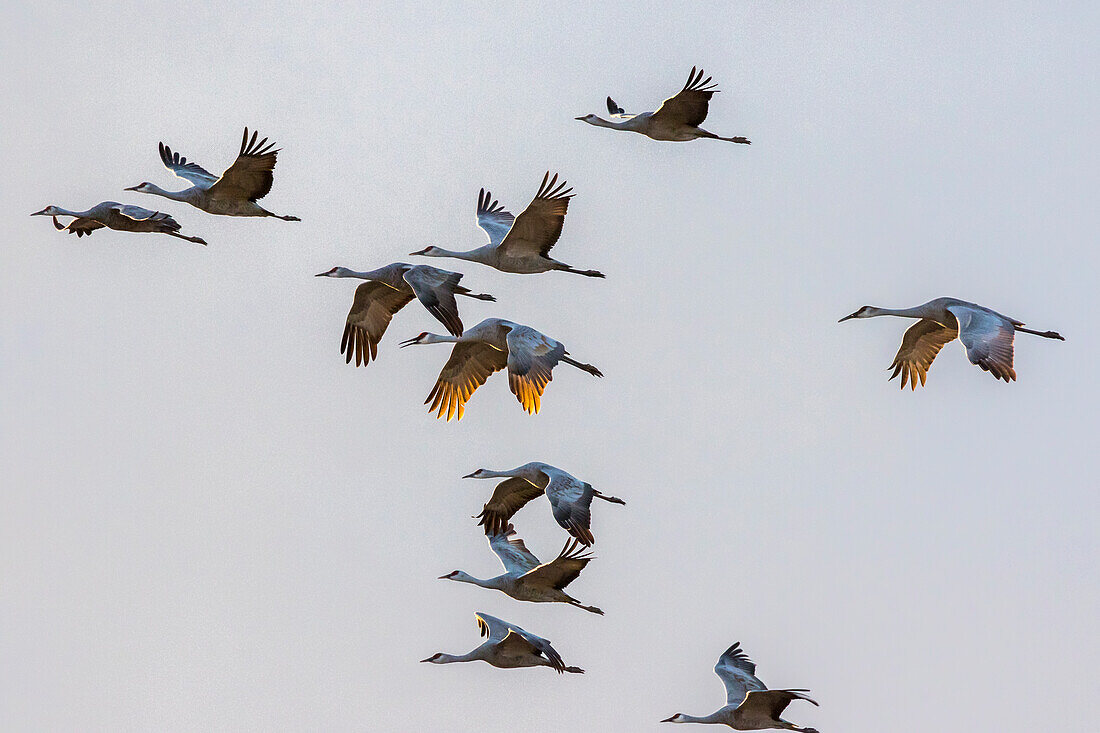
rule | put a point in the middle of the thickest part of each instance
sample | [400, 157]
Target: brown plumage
[922, 341]
[508, 497]
[371, 311]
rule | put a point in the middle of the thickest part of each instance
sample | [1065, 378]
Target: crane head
[587, 118]
[865, 312]
[677, 718]
[434, 659]
[479, 473]
[334, 272]
[454, 575]
[144, 187]
[427, 252]
[48, 211]
[422, 338]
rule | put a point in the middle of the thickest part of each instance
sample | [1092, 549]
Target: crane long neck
[497, 474]
[452, 658]
[473, 255]
[367, 275]
[917, 312]
[620, 125]
[174, 195]
[66, 212]
[487, 583]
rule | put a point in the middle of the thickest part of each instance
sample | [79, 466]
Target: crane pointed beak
[41, 213]
[426, 660]
[410, 342]
[132, 188]
[845, 318]
[470, 475]
[323, 274]
[668, 720]
[419, 252]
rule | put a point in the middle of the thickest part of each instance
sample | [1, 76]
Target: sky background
[210, 522]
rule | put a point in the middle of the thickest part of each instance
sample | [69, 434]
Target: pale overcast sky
[210, 522]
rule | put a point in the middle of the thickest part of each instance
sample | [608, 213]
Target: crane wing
[532, 357]
[538, 228]
[615, 110]
[508, 498]
[516, 644]
[370, 315]
[770, 704]
[520, 643]
[514, 640]
[250, 177]
[492, 627]
[988, 339]
[571, 502]
[562, 570]
[467, 369]
[493, 218]
[435, 289]
[137, 213]
[738, 674]
[513, 554]
[689, 106]
[189, 171]
[919, 346]
[79, 226]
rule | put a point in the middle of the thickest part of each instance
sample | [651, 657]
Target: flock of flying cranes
[522, 244]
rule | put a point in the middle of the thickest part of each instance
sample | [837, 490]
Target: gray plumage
[507, 646]
[570, 498]
[121, 217]
[233, 193]
[676, 120]
[750, 705]
[987, 335]
[520, 244]
[389, 289]
[525, 578]
[488, 347]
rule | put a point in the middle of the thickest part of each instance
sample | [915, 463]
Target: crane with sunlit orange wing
[488, 347]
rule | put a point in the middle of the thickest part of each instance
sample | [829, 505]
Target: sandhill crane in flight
[123, 217]
[677, 119]
[389, 289]
[986, 334]
[750, 705]
[508, 646]
[235, 192]
[520, 244]
[489, 347]
[526, 579]
[570, 498]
